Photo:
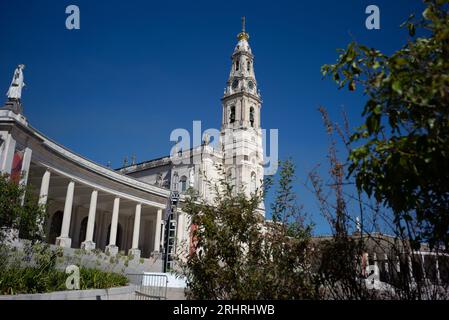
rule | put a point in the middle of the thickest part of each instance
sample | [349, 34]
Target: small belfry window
[248, 66]
[237, 65]
[232, 115]
[251, 116]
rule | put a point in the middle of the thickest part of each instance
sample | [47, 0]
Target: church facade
[130, 209]
[238, 155]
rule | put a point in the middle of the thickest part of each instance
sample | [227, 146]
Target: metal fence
[149, 286]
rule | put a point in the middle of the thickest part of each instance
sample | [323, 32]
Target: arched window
[183, 183]
[55, 227]
[237, 65]
[175, 182]
[253, 182]
[251, 116]
[232, 115]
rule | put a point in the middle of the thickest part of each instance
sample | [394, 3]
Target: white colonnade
[88, 243]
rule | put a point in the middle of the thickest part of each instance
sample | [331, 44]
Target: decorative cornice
[241, 94]
[242, 53]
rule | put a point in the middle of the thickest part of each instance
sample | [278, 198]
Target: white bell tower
[241, 134]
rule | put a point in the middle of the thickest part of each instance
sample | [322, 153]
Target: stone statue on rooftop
[17, 84]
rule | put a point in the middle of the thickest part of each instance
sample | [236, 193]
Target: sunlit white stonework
[95, 207]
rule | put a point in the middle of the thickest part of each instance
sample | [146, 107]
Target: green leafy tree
[288, 268]
[19, 210]
[400, 155]
[239, 255]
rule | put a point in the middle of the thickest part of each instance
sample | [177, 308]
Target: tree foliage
[400, 155]
[367, 263]
[19, 210]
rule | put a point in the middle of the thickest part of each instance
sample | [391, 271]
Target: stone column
[43, 196]
[112, 249]
[7, 156]
[45, 184]
[64, 240]
[26, 162]
[134, 251]
[157, 231]
[88, 243]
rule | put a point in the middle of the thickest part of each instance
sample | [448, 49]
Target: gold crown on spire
[243, 35]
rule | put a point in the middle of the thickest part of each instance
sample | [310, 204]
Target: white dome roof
[242, 46]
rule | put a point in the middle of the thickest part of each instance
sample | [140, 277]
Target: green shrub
[97, 279]
[19, 210]
[36, 280]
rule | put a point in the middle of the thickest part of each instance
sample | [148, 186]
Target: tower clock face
[235, 84]
[250, 85]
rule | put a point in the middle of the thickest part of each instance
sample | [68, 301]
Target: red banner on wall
[193, 239]
[16, 170]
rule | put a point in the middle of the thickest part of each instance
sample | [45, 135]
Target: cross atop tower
[243, 35]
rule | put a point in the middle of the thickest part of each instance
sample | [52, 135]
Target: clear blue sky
[139, 69]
